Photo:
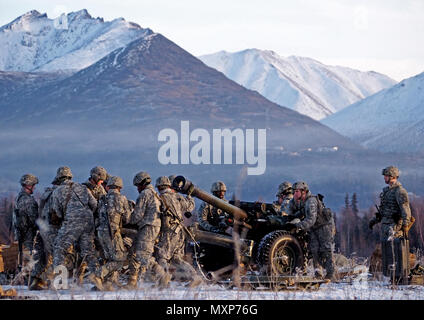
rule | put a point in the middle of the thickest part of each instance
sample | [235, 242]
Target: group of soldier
[87, 219]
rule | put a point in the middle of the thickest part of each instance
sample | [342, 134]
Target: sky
[385, 36]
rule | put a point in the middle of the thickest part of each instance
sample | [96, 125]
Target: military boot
[81, 273]
[37, 284]
[132, 283]
[97, 281]
[197, 281]
[163, 281]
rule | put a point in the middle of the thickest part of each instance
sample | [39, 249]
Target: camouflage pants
[44, 243]
[28, 239]
[113, 251]
[391, 230]
[78, 230]
[321, 246]
[171, 253]
[141, 256]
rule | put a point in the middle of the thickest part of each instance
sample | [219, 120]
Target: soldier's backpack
[324, 214]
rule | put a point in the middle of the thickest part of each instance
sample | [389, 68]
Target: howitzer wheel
[279, 253]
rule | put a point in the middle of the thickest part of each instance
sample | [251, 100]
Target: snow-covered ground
[358, 289]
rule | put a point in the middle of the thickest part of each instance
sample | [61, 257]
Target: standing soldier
[211, 218]
[311, 216]
[48, 225]
[73, 203]
[25, 214]
[284, 195]
[172, 238]
[114, 211]
[94, 183]
[395, 216]
[147, 217]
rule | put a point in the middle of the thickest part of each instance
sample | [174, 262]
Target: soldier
[211, 218]
[48, 225]
[394, 213]
[310, 216]
[114, 211]
[25, 214]
[394, 206]
[94, 183]
[284, 195]
[72, 203]
[147, 217]
[172, 238]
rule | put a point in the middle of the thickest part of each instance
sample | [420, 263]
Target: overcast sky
[381, 35]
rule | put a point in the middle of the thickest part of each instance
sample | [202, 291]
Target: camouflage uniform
[171, 245]
[283, 208]
[96, 191]
[320, 229]
[285, 192]
[211, 218]
[395, 211]
[24, 216]
[146, 216]
[75, 205]
[48, 229]
[114, 211]
[96, 174]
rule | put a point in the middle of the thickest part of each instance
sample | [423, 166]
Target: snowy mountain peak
[72, 41]
[390, 120]
[300, 83]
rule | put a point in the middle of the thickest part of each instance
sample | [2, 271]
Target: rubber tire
[273, 245]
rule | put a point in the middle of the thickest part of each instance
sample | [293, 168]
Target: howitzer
[261, 245]
[182, 185]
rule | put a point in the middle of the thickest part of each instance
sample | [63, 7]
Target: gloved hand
[371, 224]
[405, 230]
[127, 241]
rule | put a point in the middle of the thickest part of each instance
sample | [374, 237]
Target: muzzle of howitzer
[183, 185]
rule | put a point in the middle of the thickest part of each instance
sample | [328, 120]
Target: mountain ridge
[300, 83]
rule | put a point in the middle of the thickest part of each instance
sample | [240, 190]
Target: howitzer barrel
[183, 185]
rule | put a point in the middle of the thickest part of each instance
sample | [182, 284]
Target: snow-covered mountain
[391, 120]
[302, 84]
[73, 41]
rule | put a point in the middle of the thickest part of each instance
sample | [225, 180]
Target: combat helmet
[301, 185]
[163, 181]
[284, 188]
[115, 181]
[142, 178]
[391, 171]
[28, 180]
[98, 173]
[62, 172]
[218, 186]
